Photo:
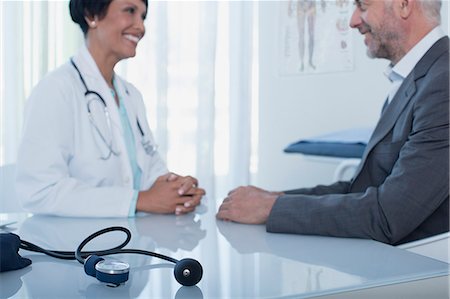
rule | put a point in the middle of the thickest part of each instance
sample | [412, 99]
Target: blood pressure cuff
[9, 253]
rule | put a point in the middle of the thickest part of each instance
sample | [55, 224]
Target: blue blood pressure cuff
[9, 253]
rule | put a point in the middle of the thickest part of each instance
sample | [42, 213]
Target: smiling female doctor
[87, 149]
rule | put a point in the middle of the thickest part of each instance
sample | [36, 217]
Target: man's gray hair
[432, 10]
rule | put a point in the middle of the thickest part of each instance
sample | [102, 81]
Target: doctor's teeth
[132, 38]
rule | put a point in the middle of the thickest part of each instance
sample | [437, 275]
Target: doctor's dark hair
[79, 9]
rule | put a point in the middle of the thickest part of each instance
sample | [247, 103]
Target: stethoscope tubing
[148, 147]
[81, 256]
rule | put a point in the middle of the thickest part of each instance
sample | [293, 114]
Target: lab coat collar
[87, 65]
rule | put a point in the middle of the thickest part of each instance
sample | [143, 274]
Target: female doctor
[87, 149]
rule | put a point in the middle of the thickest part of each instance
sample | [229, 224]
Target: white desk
[239, 261]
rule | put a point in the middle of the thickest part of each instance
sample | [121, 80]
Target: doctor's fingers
[165, 178]
[168, 177]
[191, 201]
[180, 210]
[194, 191]
[172, 177]
[187, 183]
[187, 206]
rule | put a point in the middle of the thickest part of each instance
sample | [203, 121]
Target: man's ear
[406, 8]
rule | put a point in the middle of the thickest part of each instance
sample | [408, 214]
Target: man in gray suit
[400, 191]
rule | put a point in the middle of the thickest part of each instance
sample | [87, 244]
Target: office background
[255, 113]
[209, 72]
[298, 107]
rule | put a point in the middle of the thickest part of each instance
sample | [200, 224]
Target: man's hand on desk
[171, 193]
[249, 205]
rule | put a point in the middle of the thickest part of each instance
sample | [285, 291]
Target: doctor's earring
[93, 24]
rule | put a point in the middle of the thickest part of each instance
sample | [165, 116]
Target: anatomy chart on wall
[315, 37]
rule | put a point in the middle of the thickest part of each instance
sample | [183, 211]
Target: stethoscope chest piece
[150, 149]
[111, 272]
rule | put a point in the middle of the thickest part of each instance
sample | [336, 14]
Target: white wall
[296, 107]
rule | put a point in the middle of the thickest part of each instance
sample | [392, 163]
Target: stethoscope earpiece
[188, 272]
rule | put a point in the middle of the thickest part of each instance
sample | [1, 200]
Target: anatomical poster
[315, 36]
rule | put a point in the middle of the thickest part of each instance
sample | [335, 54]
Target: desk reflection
[170, 231]
[11, 282]
[164, 231]
[363, 259]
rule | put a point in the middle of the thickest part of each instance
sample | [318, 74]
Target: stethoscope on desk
[148, 146]
[187, 271]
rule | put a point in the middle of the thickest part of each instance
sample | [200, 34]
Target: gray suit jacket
[400, 191]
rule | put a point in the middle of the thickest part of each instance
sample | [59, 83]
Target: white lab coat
[59, 169]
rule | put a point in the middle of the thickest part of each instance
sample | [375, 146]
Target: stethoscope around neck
[148, 146]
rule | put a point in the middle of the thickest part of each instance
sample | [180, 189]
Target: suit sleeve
[415, 187]
[336, 188]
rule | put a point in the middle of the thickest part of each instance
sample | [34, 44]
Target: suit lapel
[392, 112]
[402, 97]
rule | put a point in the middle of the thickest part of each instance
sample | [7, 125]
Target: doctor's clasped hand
[171, 193]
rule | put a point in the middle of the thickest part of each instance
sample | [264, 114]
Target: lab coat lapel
[112, 105]
[95, 81]
[125, 95]
[133, 116]
[130, 109]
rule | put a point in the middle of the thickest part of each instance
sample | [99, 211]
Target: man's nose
[355, 20]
